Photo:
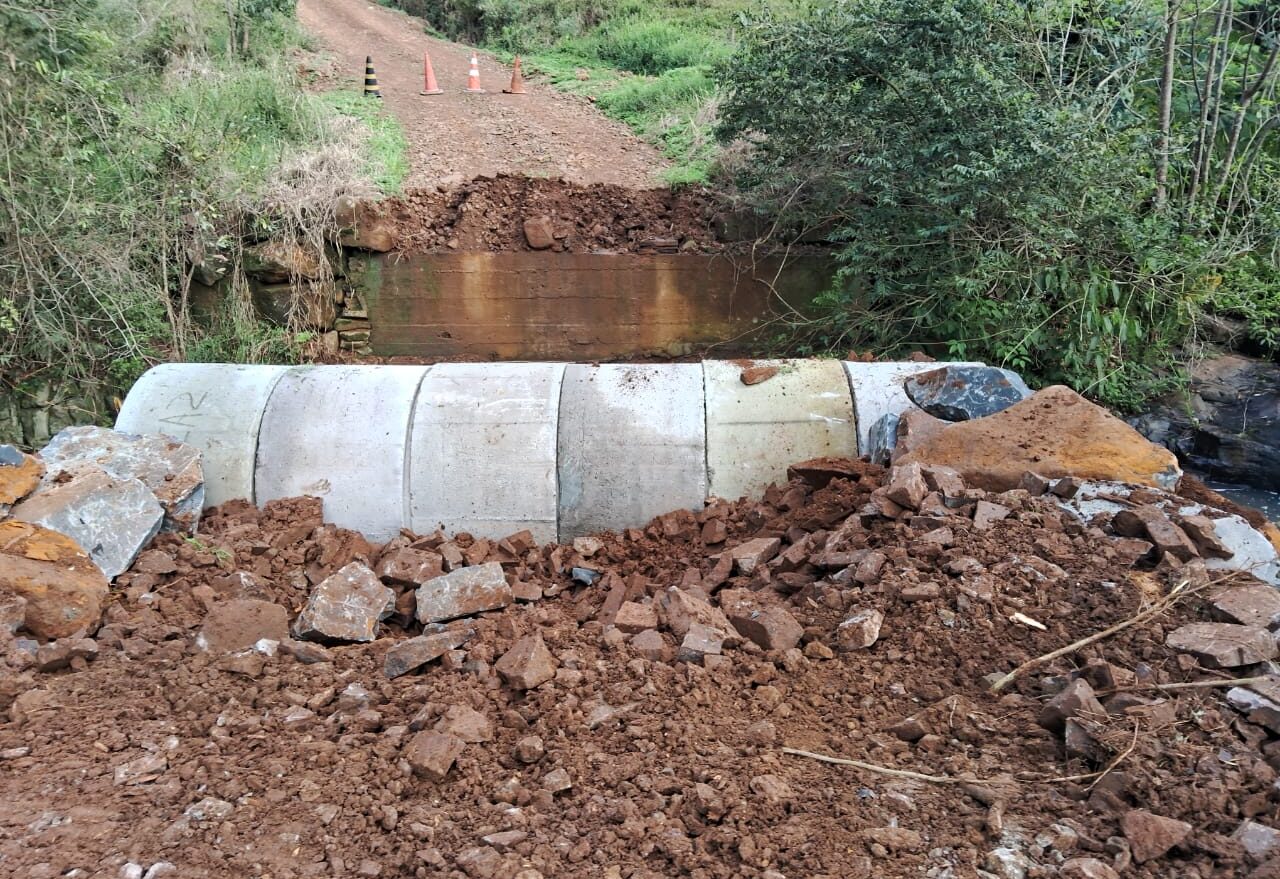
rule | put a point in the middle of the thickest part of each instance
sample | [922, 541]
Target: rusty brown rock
[1151, 836]
[1151, 522]
[1223, 645]
[410, 567]
[754, 375]
[680, 611]
[527, 664]
[818, 472]
[634, 617]
[772, 628]
[432, 754]
[19, 476]
[1054, 432]
[1076, 700]
[414, 653]
[754, 553]
[63, 588]
[463, 592]
[1253, 605]
[539, 232]
[230, 626]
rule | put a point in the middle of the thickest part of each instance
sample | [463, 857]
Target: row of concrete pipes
[494, 448]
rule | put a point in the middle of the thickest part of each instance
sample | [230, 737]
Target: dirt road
[459, 135]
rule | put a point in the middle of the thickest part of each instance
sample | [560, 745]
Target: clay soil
[487, 214]
[676, 768]
[457, 135]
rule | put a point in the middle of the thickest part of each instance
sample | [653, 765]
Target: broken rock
[463, 592]
[1151, 522]
[962, 392]
[112, 518]
[346, 606]
[19, 476]
[173, 471]
[754, 553]
[1151, 836]
[230, 626]
[1253, 605]
[1223, 645]
[700, 642]
[906, 486]
[772, 628]
[528, 664]
[860, 630]
[416, 652]
[634, 617]
[1075, 700]
[431, 754]
[62, 587]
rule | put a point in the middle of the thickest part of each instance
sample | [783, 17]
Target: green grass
[386, 161]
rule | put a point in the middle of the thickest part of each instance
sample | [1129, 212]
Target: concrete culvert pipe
[495, 448]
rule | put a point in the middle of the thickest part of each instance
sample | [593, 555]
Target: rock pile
[79, 513]
[280, 696]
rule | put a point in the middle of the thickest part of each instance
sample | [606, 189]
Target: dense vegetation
[1061, 187]
[139, 136]
[1066, 187]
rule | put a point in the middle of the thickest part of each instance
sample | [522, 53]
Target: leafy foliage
[136, 135]
[990, 189]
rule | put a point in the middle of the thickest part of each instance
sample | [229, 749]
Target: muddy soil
[159, 756]
[489, 214]
[456, 136]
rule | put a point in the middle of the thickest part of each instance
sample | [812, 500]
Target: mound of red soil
[643, 756]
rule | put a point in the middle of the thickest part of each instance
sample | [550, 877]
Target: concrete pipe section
[754, 432]
[496, 448]
[877, 391]
[633, 445]
[483, 450]
[216, 407]
[341, 433]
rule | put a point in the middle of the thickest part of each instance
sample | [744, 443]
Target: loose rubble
[622, 706]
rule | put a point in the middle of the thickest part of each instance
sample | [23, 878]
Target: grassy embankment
[140, 136]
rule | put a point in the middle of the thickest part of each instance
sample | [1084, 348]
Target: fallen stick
[896, 773]
[1160, 606]
[1187, 685]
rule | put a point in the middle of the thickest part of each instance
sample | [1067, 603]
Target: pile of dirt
[507, 213]
[626, 713]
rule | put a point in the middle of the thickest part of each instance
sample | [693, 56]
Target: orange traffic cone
[429, 85]
[473, 76]
[517, 84]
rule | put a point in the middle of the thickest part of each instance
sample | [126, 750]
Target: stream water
[1266, 501]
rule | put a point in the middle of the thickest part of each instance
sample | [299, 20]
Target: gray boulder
[962, 393]
[170, 469]
[111, 518]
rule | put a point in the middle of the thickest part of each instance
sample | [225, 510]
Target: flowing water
[1266, 501]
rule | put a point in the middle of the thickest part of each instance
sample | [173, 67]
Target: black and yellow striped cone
[370, 79]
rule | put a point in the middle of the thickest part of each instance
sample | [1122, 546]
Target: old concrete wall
[569, 306]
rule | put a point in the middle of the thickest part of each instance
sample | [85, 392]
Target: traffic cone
[370, 79]
[429, 86]
[517, 84]
[473, 76]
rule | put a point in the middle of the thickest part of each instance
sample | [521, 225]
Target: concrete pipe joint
[495, 448]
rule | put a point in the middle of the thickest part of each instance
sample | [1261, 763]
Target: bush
[138, 134]
[653, 47]
[974, 207]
